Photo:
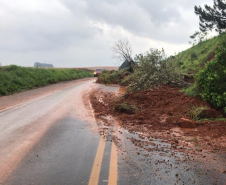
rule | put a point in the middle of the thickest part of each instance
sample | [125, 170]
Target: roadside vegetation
[211, 81]
[199, 71]
[125, 107]
[113, 77]
[187, 90]
[14, 78]
[194, 58]
[153, 69]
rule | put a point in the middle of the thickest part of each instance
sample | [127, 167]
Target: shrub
[154, 69]
[113, 77]
[211, 81]
[194, 56]
[108, 77]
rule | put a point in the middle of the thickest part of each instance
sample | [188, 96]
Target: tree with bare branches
[123, 51]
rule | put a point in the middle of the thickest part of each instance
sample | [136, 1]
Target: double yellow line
[113, 173]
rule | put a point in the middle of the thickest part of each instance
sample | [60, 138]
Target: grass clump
[212, 119]
[125, 107]
[14, 78]
[197, 113]
[191, 90]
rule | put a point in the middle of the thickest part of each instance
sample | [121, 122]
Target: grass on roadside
[14, 78]
[196, 112]
[112, 77]
[125, 107]
[203, 52]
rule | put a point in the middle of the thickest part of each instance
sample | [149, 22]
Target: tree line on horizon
[37, 64]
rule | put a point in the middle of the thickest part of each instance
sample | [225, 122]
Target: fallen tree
[153, 69]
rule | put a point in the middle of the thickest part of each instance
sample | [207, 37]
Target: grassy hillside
[14, 78]
[207, 61]
[199, 70]
[194, 58]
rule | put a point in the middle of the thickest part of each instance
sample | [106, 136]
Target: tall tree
[212, 17]
[123, 52]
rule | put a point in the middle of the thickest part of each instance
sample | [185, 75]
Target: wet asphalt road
[55, 139]
[52, 140]
[64, 155]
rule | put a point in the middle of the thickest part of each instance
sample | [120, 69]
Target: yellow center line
[113, 168]
[94, 177]
[113, 172]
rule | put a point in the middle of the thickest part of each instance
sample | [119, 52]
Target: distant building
[37, 64]
[0, 64]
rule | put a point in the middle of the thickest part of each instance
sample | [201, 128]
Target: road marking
[94, 177]
[113, 172]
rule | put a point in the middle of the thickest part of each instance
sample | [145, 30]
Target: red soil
[158, 115]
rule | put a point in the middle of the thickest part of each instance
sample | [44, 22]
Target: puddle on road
[146, 160]
[122, 90]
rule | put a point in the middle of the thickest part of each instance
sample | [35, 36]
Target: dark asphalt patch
[64, 155]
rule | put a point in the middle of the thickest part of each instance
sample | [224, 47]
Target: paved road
[54, 140]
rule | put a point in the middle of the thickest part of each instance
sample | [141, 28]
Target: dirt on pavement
[157, 116]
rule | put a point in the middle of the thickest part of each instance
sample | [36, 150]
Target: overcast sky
[80, 33]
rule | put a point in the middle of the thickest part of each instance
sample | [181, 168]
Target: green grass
[112, 77]
[203, 51]
[109, 77]
[196, 112]
[212, 119]
[14, 78]
[191, 91]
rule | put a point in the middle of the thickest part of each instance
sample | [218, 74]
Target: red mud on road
[158, 116]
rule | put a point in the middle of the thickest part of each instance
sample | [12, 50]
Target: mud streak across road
[53, 139]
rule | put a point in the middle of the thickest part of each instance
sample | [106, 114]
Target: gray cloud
[66, 32]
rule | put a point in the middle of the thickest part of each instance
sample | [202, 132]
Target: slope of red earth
[158, 115]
